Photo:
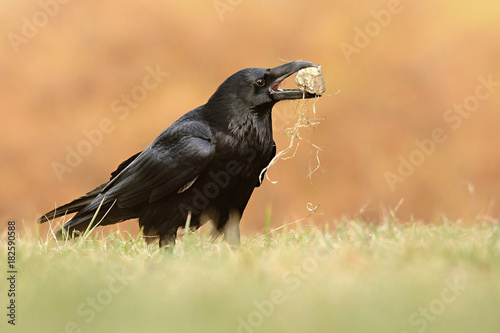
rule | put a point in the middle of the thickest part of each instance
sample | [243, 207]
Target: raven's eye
[260, 82]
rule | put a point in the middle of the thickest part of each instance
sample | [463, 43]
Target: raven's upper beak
[280, 73]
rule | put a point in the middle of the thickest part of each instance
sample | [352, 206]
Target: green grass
[354, 277]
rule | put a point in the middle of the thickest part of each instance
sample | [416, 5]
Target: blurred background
[415, 126]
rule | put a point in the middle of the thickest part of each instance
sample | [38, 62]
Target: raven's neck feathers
[245, 123]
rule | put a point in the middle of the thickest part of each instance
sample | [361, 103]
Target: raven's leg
[232, 228]
[167, 239]
[149, 239]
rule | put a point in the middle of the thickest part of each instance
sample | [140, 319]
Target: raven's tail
[72, 207]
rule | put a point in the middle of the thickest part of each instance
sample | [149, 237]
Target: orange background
[413, 60]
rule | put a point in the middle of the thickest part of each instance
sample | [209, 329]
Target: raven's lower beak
[280, 73]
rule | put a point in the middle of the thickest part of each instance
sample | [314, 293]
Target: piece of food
[311, 80]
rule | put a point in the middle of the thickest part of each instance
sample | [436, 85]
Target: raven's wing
[175, 158]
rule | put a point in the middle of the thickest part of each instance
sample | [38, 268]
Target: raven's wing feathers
[123, 165]
[176, 157]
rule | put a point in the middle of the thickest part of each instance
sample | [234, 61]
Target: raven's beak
[280, 73]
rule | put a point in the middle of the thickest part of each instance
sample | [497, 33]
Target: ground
[351, 276]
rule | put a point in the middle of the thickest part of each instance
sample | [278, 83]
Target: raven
[204, 167]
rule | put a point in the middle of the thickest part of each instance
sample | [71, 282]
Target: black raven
[204, 167]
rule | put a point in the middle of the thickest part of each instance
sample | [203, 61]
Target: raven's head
[260, 86]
